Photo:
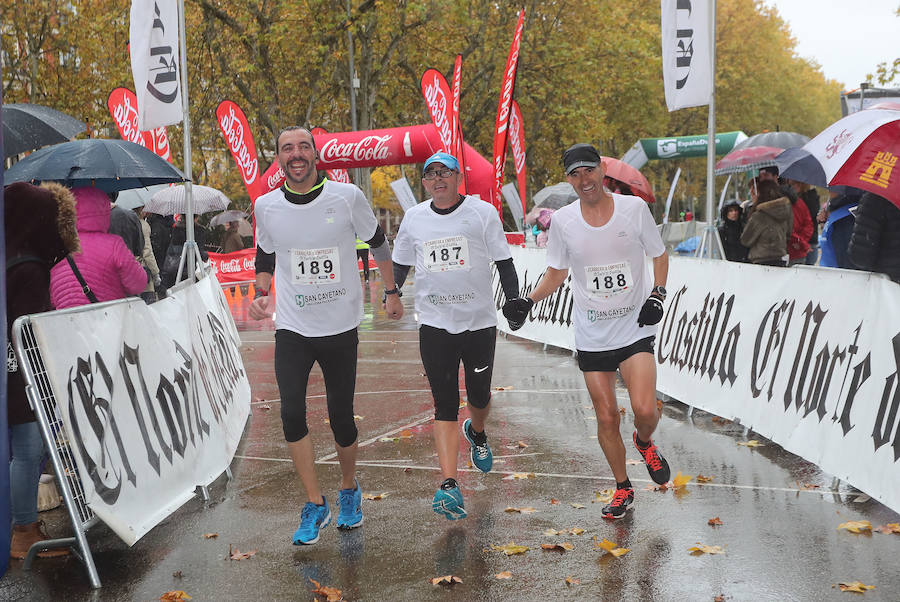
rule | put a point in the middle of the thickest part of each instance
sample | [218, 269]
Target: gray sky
[848, 38]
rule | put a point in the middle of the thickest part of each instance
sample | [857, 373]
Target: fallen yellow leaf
[210, 535]
[503, 388]
[856, 526]
[572, 580]
[446, 580]
[855, 586]
[552, 532]
[332, 594]
[889, 528]
[378, 496]
[174, 596]
[504, 575]
[559, 547]
[681, 480]
[652, 487]
[714, 521]
[806, 486]
[704, 479]
[238, 555]
[619, 552]
[703, 549]
[751, 443]
[519, 475]
[511, 548]
[604, 497]
[577, 506]
[606, 545]
[527, 510]
[576, 531]
[554, 501]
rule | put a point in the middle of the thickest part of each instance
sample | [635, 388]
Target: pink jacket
[106, 264]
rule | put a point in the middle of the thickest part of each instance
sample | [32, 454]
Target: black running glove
[516, 311]
[651, 312]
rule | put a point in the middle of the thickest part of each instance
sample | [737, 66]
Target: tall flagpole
[710, 244]
[190, 245]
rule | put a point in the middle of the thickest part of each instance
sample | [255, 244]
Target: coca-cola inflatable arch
[346, 150]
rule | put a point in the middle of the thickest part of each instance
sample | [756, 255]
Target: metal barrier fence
[43, 403]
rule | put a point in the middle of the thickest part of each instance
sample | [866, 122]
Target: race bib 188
[444, 254]
[607, 280]
[315, 266]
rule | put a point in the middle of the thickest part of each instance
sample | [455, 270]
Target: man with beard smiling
[604, 239]
[452, 241]
[311, 224]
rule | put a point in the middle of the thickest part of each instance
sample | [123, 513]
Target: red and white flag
[122, 104]
[437, 98]
[335, 175]
[236, 129]
[272, 178]
[456, 136]
[517, 142]
[504, 109]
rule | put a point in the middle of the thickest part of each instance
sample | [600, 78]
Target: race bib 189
[607, 280]
[444, 254]
[315, 266]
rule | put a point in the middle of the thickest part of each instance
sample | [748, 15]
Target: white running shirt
[452, 254]
[610, 277]
[316, 272]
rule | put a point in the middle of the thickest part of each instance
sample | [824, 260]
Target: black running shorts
[441, 354]
[608, 361]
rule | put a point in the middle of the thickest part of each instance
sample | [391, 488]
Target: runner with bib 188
[602, 239]
[452, 241]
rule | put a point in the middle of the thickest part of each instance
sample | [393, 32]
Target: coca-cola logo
[275, 178]
[368, 149]
[236, 265]
[437, 106]
[126, 116]
[515, 134]
[339, 175]
[233, 129]
[161, 143]
[839, 141]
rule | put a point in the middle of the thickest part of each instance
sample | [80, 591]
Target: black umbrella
[773, 139]
[110, 165]
[27, 127]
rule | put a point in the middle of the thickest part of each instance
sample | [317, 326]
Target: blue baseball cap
[444, 159]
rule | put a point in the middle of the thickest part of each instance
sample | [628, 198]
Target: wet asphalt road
[779, 530]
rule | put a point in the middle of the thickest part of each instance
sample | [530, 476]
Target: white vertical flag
[686, 53]
[154, 62]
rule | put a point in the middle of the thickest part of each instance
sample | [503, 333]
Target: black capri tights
[294, 358]
[441, 354]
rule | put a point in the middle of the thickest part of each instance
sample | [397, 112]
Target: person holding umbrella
[603, 240]
[310, 224]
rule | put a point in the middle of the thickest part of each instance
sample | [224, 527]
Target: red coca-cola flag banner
[236, 129]
[517, 142]
[239, 266]
[437, 98]
[272, 178]
[122, 104]
[456, 125]
[501, 129]
[335, 175]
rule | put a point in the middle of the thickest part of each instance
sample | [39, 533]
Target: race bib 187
[315, 266]
[444, 254]
[607, 280]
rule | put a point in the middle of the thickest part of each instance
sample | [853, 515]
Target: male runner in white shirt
[311, 224]
[603, 240]
[452, 241]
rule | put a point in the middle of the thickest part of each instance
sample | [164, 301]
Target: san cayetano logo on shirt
[319, 298]
[595, 314]
[450, 299]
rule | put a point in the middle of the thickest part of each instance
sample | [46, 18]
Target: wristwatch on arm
[394, 291]
[659, 291]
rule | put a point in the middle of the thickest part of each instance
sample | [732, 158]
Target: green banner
[688, 146]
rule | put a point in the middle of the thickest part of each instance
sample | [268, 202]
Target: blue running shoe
[312, 520]
[481, 455]
[449, 503]
[350, 515]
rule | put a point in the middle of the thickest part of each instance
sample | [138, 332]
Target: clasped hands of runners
[517, 310]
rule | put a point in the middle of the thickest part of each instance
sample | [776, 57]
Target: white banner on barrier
[120, 373]
[807, 357]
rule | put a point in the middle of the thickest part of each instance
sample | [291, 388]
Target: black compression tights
[294, 358]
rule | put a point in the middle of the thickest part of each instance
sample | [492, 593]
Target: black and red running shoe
[656, 464]
[622, 499]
